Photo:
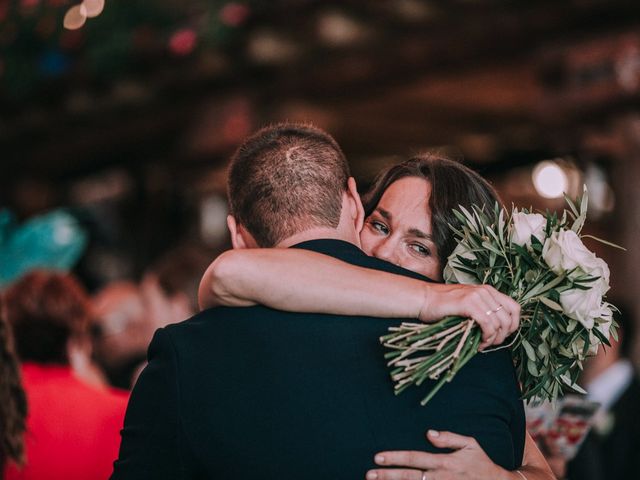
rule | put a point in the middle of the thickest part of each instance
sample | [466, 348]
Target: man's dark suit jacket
[614, 455]
[247, 393]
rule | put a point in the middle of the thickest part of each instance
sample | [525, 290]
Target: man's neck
[317, 234]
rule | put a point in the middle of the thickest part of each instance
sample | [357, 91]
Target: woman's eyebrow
[412, 231]
[384, 213]
[420, 234]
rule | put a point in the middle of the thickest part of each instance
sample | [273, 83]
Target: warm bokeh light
[269, 47]
[183, 41]
[75, 17]
[549, 179]
[336, 29]
[234, 14]
[93, 7]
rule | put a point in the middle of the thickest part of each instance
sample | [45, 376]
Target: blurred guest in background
[179, 272]
[126, 316]
[128, 313]
[121, 331]
[13, 401]
[610, 451]
[72, 426]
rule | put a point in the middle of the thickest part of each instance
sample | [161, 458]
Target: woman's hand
[498, 315]
[467, 462]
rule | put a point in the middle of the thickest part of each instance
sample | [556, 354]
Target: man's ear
[357, 210]
[240, 237]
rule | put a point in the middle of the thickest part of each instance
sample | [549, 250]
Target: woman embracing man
[310, 312]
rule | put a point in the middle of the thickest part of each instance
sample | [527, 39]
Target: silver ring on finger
[499, 308]
[424, 475]
[489, 312]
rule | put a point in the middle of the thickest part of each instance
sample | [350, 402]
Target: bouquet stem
[448, 345]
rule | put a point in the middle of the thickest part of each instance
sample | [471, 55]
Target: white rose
[599, 269]
[525, 225]
[451, 272]
[564, 251]
[582, 305]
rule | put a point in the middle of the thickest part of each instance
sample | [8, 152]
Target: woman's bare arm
[305, 281]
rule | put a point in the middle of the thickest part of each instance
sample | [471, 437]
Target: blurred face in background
[399, 229]
[128, 314]
[120, 321]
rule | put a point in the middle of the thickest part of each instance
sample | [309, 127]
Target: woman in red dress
[72, 426]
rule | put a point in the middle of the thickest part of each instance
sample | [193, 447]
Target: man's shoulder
[215, 319]
[225, 319]
[258, 320]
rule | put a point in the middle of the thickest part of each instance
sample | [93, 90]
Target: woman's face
[399, 229]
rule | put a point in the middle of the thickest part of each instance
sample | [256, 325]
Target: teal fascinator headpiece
[54, 241]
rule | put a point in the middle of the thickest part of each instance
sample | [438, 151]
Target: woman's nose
[386, 250]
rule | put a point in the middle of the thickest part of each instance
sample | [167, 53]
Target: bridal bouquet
[541, 262]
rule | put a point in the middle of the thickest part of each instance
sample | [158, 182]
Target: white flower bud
[525, 225]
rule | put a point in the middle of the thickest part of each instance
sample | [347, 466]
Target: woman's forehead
[406, 203]
[405, 192]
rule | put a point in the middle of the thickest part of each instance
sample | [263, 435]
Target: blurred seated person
[72, 426]
[13, 401]
[126, 317]
[610, 451]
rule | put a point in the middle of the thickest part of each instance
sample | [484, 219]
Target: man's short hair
[285, 179]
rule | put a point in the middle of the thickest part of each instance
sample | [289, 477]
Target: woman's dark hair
[13, 401]
[452, 185]
[45, 310]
